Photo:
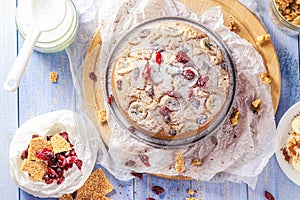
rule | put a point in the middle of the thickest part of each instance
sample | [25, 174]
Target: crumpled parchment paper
[80, 135]
[237, 154]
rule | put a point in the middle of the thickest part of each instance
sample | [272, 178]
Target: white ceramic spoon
[45, 15]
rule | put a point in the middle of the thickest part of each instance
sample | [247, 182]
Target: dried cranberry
[51, 173]
[119, 84]
[59, 172]
[62, 161]
[190, 94]
[147, 70]
[167, 119]
[73, 153]
[164, 111]
[45, 154]
[67, 153]
[130, 163]
[60, 180]
[24, 154]
[131, 129]
[158, 58]
[49, 181]
[182, 57]
[158, 190]
[150, 91]
[109, 99]
[150, 198]
[74, 194]
[202, 81]
[93, 76]
[64, 135]
[79, 164]
[145, 159]
[48, 137]
[144, 33]
[35, 136]
[172, 132]
[52, 163]
[188, 74]
[269, 196]
[214, 140]
[170, 93]
[138, 175]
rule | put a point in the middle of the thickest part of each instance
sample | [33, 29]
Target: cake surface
[169, 80]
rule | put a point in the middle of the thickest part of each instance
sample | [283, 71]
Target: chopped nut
[102, 116]
[196, 162]
[233, 26]
[191, 192]
[179, 162]
[53, 77]
[256, 105]
[262, 39]
[235, 117]
[290, 10]
[191, 198]
[265, 78]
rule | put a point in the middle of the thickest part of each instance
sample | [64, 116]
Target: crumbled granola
[265, 78]
[262, 39]
[179, 162]
[256, 105]
[102, 116]
[233, 26]
[235, 117]
[191, 192]
[196, 162]
[53, 77]
[37, 144]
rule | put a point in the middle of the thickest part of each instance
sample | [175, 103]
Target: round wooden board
[249, 27]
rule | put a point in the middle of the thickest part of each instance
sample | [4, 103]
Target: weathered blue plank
[8, 101]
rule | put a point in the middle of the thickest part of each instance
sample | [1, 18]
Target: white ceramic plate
[284, 127]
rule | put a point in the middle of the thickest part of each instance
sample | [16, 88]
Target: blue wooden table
[37, 95]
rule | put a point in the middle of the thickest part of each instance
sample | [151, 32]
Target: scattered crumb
[59, 144]
[36, 169]
[191, 192]
[256, 105]
[265, 78]
[235, 117]
[196, 162]
[233, 26]
[262, 39]
[102, 116]
[179, 162]
[53, 77]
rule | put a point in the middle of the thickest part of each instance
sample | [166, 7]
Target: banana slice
[209, 46]
[171, 102]
[173, 31]
[137, 111]
[124, 68]
[296, 124]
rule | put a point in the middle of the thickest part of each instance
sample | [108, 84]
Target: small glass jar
[54, 40]
[280, 22]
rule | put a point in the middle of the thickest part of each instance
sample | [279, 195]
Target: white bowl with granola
[53, 154]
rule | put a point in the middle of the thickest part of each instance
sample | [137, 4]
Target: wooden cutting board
[249, 27]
